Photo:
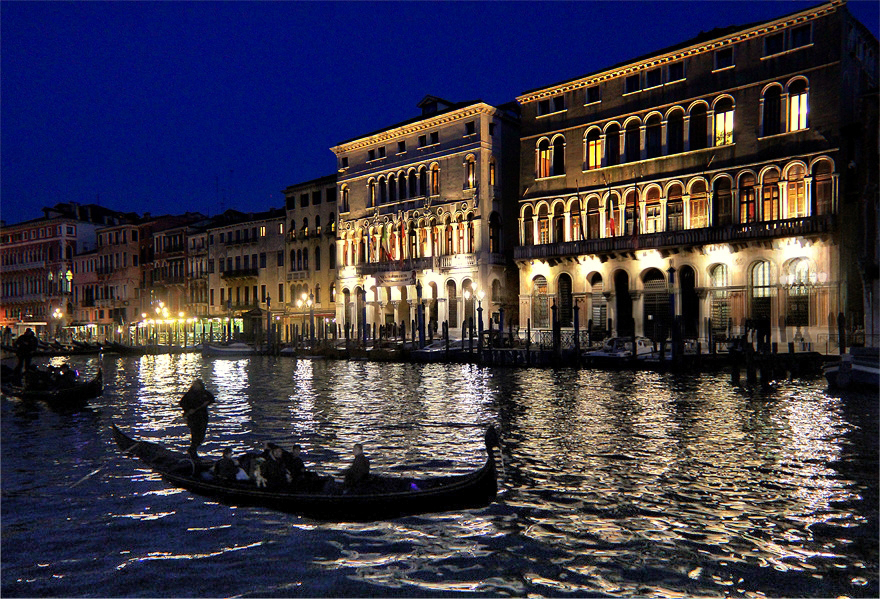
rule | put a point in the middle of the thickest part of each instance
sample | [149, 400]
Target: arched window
[401, 186]
[544, 161]
[770, 195]
[292, 260]
[575, 231]
[822, 187]
[653, 222]
[435, 179]
[594, 149]
[305, 227]
[373, 198]
[747, 203]
[318, 294]
[699, 206]
[331, 224]
[724, 122]
[492, 172]
[543, 225]
[305, 258]
[392, 188]
[720, 300]
[540, 307]
[770, 115]
[760, 291]
[423, 181]
[796, 192]
[632, 142]
[698, 129]
[528, 226]
[449, 248]
[470, 172]
[558, 223]
[332, 258]
[675, 132]
[612, 226]
[383, 190]
[653, 137]
[722, 203]
[299, 260]
[345, 206]
[413, 185]
[797, 105]
[565, 313]
[317, 259]
[630, 211]
[674, 209]
[558, 156]
[496, 292]
[317, 225]
[599, 311]
[593, 218]
[494, 233]
[452, 303]
[800, 280]
[612, 145]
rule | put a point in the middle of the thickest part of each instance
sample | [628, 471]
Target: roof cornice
[429, 122]
[685, 52]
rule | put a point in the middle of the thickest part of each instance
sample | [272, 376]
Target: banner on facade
[396, 278]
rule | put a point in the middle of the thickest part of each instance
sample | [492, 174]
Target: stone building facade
[427, 214]
[716, 183]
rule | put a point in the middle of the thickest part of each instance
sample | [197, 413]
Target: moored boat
[383, 497]
[229, 349]
[860, 367]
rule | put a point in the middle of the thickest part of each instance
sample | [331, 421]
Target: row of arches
[795, 190]
[783, 107]
[796, 285]
[418, 238]
[304, 230]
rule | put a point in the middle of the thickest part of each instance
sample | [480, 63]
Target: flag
[383, 243]
[368, 257]
[403, 240]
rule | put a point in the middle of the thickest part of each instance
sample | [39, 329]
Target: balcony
[299, 275]
[240, 273]
[166, 281]
[731, 234]
[245, 241]
[22, 266]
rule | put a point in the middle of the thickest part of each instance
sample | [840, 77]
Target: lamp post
[311, 304]
[57, 315]
[480, 295]
[299, 305]
[468, 321]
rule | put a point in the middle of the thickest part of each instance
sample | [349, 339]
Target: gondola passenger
[226, 467]
[359, 471]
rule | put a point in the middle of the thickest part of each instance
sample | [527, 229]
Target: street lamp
[311, 304]
[480, 295]
[57, 315]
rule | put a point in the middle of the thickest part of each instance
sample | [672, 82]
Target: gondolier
[195, 404]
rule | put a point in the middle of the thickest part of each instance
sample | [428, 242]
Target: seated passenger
[273, 470]
[226, 468]
[359, 471]
[66, 376]
[293, 462]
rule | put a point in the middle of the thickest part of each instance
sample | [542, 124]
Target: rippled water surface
[613, 484]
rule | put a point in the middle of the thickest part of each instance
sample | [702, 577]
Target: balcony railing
[810, 225]
[169, 280]
[240, 273]
[372, 268]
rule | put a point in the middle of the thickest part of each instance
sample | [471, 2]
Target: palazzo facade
[427, 213]
[720, 183]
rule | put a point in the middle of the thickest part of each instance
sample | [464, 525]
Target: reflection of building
[718, 180]
[311, 257]
[245, 267]
[423, 206]
[37, 260]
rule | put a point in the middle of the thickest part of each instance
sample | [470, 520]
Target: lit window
[470, 173]
[699, 206]
[544, 158]
[724, 123]
[797, 106]
[594, 150]
[262, 231]
[797, 196]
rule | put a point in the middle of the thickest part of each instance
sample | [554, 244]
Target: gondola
[383, 497]
[69, 397]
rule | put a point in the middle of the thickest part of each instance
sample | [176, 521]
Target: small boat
[229, 349]
[619, 350]
[383, 497]
[60, 397]
[860, 367]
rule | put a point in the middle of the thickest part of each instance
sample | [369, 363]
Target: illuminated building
[37, 262]
[728, 181]
[424, 207]
[310, 301]
[245, 268]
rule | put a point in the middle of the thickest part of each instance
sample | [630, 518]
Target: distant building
[37, 263]
[310, 301]
[424, 207]
[245, 267]
[727, 183]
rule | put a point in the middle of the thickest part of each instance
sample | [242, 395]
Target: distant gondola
[74, 396]
[383, 497]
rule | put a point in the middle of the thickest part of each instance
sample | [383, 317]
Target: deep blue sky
[168, 107]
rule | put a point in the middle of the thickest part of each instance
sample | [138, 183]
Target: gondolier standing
[195, 404]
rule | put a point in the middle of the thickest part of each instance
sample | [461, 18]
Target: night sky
[169, 107]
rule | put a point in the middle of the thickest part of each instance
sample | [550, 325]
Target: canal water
[613, 484]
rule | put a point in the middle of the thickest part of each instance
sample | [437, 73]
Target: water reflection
[613, 483]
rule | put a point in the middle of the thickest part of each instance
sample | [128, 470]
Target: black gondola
[382, 498]
[74, 396]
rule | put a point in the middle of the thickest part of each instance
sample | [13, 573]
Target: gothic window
[675, 132]
[797, 193]
[721, 202]
[771, 117]
[435, 179]
[699, 206]
[594, 149]
[724, 122]
[540, 306]
[674, 209]
[653, 223]
[747, 202]
[770, 195]
[559, 156]
[612, 145]
[698, 130]
[822, 187]
[653, 138]
[544, 159]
